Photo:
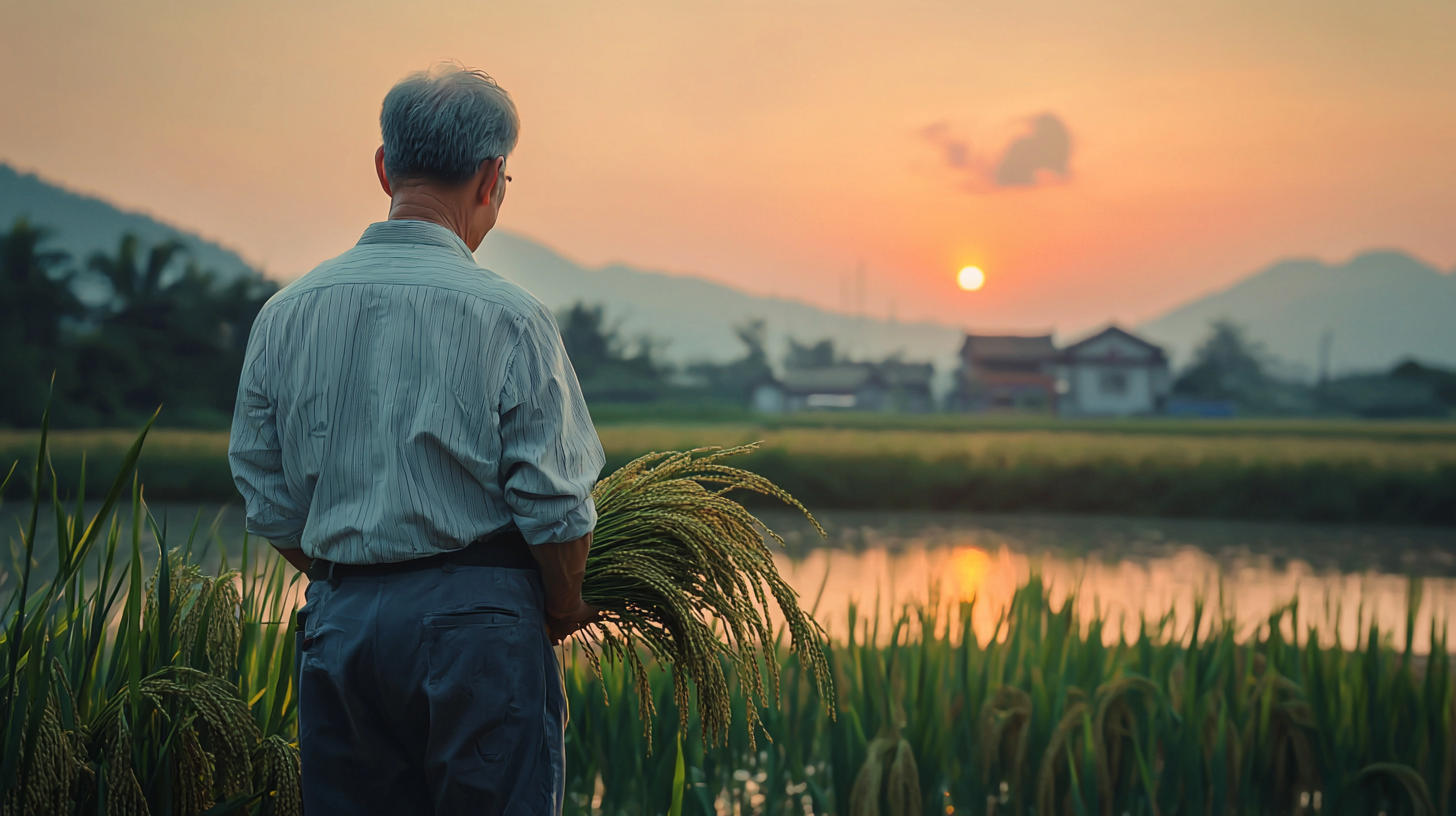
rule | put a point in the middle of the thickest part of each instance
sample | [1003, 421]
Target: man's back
[400, 401]
[409, 432]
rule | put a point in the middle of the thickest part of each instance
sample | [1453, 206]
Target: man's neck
[425, 203]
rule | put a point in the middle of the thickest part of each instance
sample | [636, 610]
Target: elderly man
[410, 433]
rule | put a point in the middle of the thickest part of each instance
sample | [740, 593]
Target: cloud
[1047, 147]
[1039, 156]
[955, 152]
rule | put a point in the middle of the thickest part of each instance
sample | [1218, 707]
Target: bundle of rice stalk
[682, 572]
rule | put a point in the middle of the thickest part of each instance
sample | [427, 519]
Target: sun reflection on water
[880, 579]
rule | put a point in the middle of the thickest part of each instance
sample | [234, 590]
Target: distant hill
[697, 316]
[84, 224]
[1380, 307]
[694, 317]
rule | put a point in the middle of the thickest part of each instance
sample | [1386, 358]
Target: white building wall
[1090, 394]
[768, 399]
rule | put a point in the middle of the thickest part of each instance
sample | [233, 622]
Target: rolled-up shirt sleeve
[255, 455]
[550, 453]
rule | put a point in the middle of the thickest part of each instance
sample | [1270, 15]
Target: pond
[1121, 568]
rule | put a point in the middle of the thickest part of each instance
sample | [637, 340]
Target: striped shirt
[399, 401]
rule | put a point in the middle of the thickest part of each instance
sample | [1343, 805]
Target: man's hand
[563, 566]
[563, 628]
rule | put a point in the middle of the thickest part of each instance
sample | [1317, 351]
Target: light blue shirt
[400, 401]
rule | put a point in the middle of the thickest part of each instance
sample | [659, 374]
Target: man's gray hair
[443, 122]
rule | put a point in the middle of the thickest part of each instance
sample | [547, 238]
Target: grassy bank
[1288, 471]
[1304, 492]
[1266, 470]
[1407, 430]
[175, 465]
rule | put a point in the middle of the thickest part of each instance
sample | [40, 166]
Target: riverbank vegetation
[1304, 470]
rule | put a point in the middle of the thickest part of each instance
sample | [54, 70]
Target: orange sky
[773, 145]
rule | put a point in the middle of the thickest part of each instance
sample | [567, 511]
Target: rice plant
[1053, 715]
[128, 691]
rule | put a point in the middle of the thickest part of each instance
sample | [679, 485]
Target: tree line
[128, 331]
[1230, 366]
[613, 368]
[121, 332]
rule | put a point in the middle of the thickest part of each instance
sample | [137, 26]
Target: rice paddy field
[979, 665]
[1300, 470]
[1053, 709]
[1420, 447]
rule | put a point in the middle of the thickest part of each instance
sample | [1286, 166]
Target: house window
[1113, 382]
[831, 401]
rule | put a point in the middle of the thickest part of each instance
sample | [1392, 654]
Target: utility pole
[1321, 397]
[859, 279]
[1327, 339]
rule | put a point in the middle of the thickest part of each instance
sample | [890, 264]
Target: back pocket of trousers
[473, 617]
[477, 650]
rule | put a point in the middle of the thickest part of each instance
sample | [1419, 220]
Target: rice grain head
[683, 572]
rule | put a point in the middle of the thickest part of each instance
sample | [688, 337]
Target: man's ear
[383, 176]
[490, 177]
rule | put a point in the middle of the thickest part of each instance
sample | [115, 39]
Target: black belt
[506, 550]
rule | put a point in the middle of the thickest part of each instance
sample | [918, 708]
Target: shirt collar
[415, 232]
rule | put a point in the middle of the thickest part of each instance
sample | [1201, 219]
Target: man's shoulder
[397, 268]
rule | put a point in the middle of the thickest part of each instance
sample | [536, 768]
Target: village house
[1004, 373]
[1112, 373]
[907, 385]
[889, 386]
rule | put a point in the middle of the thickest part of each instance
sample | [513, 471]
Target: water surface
[1124, 568]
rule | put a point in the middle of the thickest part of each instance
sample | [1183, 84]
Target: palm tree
[123, 362]
[165, 338]
[163, 335]
[131, 282]
[35, 297]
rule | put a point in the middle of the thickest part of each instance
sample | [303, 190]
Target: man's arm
[550, 458]
[563, 566]
[256, 457]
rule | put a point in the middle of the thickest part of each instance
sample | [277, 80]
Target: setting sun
[971, 278]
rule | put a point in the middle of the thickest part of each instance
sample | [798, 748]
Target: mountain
[692, 316]
[696, 317]
[1379, 308]
[83, 224]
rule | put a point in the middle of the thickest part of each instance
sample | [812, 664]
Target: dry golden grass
[1012, 446]
[1001, 446]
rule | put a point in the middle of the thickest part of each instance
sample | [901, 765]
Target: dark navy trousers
[430, 692]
